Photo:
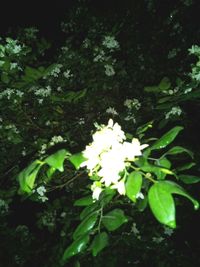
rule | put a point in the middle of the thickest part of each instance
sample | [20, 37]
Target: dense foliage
[99, 148]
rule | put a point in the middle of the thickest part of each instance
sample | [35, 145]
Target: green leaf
[189, 179]
[114, 219]
[77, 159]
[50, 172]
[86, 225]
[76, 247]
[133, 185]
[106, 196]
[186, 166]
[5, 78]
[178, 150]
[84, 201]
[165, 165]
[100, 242]
[143, 128]
[27, 177]
[88, 210]
[151, 89]
[167, 138]
[162, 203]
[164, 84]
[174, 188]
[56, 160]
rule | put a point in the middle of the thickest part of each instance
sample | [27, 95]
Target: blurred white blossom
[175, 111]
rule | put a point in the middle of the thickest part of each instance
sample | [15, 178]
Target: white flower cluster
[67, 74]
[12, 127]
[43, 92]
[99, 55]
[132, 103]
[12, 46]
[110, 43]
[108, 155]
[8, 93]
[41, 190]
[175, 111]
[56, 70]
[171, 92]
[48, 219]
[54, 140]
[109, 70]
[130, 117]
[112, 111]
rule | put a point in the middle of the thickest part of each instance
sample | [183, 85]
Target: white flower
[120, 186]
[132, 103]
[168, 231]
[140, 195]
[110, 42]
[96, 188]
[175, 111]
[109, 70]
[67, 74]
[41, 190]
[111, 111]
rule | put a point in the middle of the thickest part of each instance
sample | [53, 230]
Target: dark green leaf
[84, 201]
[167, 138]
[189, 179]
[179, 149]
[76, 247]
[186, 166]
[88, 210]
[114, 219]
[100, 242]
[164, 84]
[133, 185]
[86, 225]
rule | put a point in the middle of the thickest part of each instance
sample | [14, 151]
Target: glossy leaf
[133, 185]
[165, 165]
[100, 242]
[189, 179]
[167, 138]
[186, 166]
[174, 188]
[77, 159]
[178, 150]
[56, 160]
[114, 219]
[86, 225]
[164, 84]
[88, 210]
[162, 203]
[84, 201]
[28, 175]
[76, 247]
[106, 196]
